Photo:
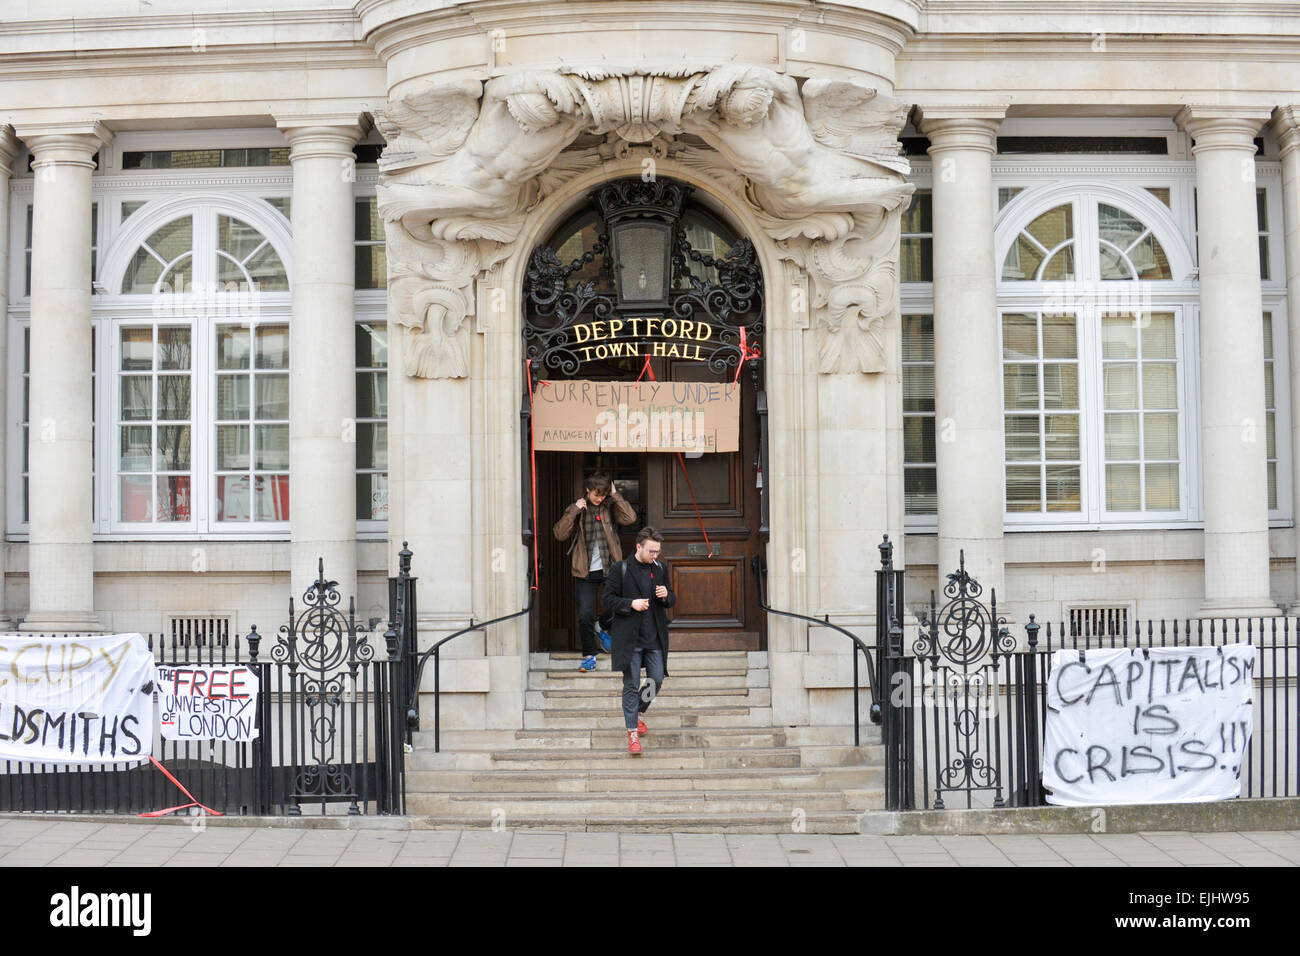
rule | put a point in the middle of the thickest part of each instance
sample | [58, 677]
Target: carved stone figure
[466, 162]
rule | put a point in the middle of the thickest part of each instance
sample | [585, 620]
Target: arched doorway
[650, 256]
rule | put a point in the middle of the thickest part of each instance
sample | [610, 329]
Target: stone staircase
[711, 762]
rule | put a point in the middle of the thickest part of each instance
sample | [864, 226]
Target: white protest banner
[208, 702]
[76, 699]
[1147, 725]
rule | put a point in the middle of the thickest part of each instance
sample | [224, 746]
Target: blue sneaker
[588, 664]
[606, 642]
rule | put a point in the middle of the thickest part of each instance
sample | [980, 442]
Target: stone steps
[713, 761]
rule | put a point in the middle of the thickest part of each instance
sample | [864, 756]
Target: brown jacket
[570, 525]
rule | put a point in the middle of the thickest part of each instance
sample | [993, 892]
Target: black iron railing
[859, 646]
[327, 731]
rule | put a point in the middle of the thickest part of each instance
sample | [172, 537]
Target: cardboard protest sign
[579, 415]
[208, 702]
[1148, 725]
[76, 699]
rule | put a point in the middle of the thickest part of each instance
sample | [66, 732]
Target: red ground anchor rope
[682, 461]
[185, 806]
[532, 455]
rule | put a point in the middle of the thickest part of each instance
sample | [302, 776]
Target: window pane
[141, 274]
[918, 340]
[173, 498]
[135, 492]
[1117, 226]
[1060, 385]
[1158, 336]
[1150, 261]
[237, 238]
[271, 497]
[273, 346]
[1063, 489]
[1122, 490]
[1019, 337]
[173, 448]
[372, 497]
[918, 440]
[173, 397]
[1160, 436]
[1058, 337]
[1272, 485]
[1024, 492]
[372, 445]
[1021, 438]
[1268, 336]
[1268, 385]
[1122, 437]
[1113, 265]
[1060, 266]
[179, 278]
[1270, 430]
[232, 447]
[920, 491]
[1118, 337]
[174, 348]
[272, 396]
[232, 397]
[135, 453]
[137, 398]
[230, 274]
[232, 347]
[918, 216]
[371, 267]
[137, 350]
[1022, 262]
[1159, 385]
[1020, 386]
[268, 271]
[1120, 384]
[372, 394]
[918, 388]
[1053, 227]
[1061, 437]
[173, 239]
[233, 499]
[272, 446]
[1162, 488]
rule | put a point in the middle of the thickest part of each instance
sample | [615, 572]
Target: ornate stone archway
[813, 169]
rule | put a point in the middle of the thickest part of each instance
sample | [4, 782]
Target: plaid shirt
[593, 532]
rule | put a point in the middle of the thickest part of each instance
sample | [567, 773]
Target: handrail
[760, 571]
[413, 712]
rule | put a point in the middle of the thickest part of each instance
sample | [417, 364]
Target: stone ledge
[1274, 813]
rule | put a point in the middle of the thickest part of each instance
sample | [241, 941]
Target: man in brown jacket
[589, 521]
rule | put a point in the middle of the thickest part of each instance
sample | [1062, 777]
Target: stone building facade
[1029, 275]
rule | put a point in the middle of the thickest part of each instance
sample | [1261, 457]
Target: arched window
[1096, 296]
[198, 328]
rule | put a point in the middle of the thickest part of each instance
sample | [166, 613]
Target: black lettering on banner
[1190, 669]
[1057, 764]
[1139, 752]
[126, 732]
[1189, 748]
[1060, 672]
[1099, 766]
[1106, 671]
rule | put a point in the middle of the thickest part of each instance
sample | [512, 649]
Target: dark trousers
[635, 700]
[588, 594]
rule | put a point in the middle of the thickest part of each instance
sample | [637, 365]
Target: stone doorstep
[1263, 814]
[632, 779]
[629, 803]
[679, 699]
[605, 683]
[596, 759]
[814, 822]
[664, 718]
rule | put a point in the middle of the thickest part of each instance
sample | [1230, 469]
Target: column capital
[328, 135]
[8, 149]
[1222, 127]
[973, 126]
[1286, 126]
[65, 144]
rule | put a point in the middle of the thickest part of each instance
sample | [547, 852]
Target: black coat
[627, 622]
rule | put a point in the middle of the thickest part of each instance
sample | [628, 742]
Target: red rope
[745, 353]
[682, 461]
[532, 454]
[193, 802]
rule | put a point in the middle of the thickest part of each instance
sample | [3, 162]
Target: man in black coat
[637, 591]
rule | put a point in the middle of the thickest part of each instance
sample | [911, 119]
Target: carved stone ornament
[820, 166]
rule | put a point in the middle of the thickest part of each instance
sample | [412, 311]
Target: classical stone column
[1234, 449]
[322, 352]
[1287, 126]
[8, 150]
[967, 411]
[60, 560]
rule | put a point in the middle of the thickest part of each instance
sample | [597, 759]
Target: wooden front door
[717, 606]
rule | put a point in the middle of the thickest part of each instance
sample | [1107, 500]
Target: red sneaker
[641, 728]
[633, 745]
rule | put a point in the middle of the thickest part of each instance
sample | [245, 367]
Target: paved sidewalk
[42, 842]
